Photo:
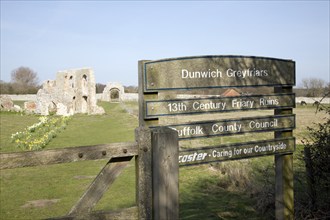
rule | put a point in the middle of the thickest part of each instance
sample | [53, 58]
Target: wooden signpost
[203, 73]
[216, 72]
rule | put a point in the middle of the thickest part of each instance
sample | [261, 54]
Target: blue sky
[111, 36]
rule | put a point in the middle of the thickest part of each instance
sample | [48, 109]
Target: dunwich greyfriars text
[253, 72]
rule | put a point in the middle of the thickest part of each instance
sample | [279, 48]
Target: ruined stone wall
[72, 92]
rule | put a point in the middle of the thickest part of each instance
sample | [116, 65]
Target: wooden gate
[118, 155]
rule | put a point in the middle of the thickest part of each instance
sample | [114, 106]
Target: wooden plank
[143, 175]
[66, 155]
[236, 151]
[284, 192]
[99, 186]
[234, 126]
[143, 97]
[165, 173]
[217, 72]
[122, 214]
[160, 108]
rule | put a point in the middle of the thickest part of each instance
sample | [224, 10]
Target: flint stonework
[72, 92]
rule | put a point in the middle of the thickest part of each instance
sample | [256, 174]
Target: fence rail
[67, 155]
[118, 154]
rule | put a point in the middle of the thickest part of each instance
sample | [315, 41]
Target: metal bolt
[80, 155]
[145, 149]
[125, 151]
[104, 153]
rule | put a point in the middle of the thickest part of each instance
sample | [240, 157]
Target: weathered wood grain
[165, 173]
[205, 72]
[66, 155]
[143, 169]
[284, 193]
[143, 96]
[99, 186]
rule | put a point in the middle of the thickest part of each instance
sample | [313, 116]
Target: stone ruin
[113, 92]
[72, 92]
[6, 104]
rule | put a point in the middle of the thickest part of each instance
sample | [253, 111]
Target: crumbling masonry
[72, 92]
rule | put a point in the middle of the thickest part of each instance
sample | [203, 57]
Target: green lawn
[206, 192]
[66, 182]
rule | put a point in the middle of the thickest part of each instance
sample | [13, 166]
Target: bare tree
[24, 80]
[5, 88]
[315, 87]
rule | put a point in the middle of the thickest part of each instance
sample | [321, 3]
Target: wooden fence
[149, 203]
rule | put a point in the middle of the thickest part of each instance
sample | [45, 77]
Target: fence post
[143, 169]
[157, 173]
[284, 198]
[165, 169]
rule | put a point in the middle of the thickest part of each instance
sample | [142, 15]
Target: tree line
[24, 80]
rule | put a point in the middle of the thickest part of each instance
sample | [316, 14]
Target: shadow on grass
[207, 198]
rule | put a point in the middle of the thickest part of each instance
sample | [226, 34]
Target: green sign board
[217, 72]
[236, 151]
[234, 126]
[217, 104]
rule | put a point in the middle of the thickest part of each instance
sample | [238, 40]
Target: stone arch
[84, 80]
[71, 82]
[114, 95]
[84, 104]
[113, 92]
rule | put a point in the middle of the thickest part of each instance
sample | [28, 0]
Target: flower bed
[38, 135]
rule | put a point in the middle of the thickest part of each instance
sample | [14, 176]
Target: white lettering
[240, 103]
[175, 107]
[192, 157]
[218, 128]
[246, 73]
[200, 74]
[222, 153]
[264, 101]
[190, 131]
[264, 124]
[209, 106]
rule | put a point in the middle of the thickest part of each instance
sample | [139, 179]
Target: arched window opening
[114, 95]
[71, 81]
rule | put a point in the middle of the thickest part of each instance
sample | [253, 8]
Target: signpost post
[203, 73]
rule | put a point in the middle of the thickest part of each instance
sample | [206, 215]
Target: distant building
[230, 92]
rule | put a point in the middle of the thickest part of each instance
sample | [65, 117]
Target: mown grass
[66, 182]
[206, 192]
[115, 126]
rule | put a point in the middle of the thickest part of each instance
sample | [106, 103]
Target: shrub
[316, 158]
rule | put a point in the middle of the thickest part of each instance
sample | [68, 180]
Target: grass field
[206, 192]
